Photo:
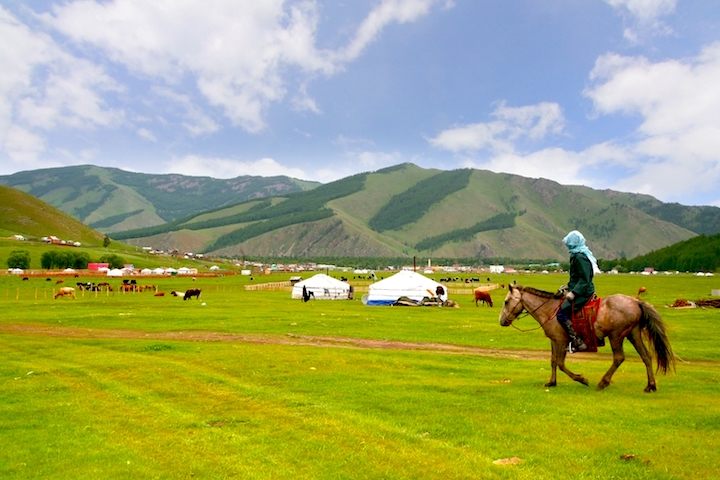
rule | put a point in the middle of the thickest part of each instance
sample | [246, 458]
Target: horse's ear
[510, 287]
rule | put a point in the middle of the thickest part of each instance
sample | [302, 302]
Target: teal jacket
[581, 284]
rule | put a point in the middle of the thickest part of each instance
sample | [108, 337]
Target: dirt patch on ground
[289, 339]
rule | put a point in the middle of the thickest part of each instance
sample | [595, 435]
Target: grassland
[251, 384]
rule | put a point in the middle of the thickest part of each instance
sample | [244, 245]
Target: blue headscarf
[575, 243]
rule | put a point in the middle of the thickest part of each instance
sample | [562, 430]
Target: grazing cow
[641, 290]
[65, 291]
[484, 297]
[59, 282]
[193, 292]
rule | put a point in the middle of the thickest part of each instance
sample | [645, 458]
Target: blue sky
[620, 94]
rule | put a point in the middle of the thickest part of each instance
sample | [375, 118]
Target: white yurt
[322, 287]
[403, 284]
[115, 272]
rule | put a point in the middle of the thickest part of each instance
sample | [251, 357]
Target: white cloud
[375, 160]
[238, 52]
[195, 165]
[534, 122]
[43, 88]
[644, 16]
[194, 120]
[389, 11]
[678, 103]
[563, 166]
[146, 134]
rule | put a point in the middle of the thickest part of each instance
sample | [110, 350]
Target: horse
[65, 291]
[481, 296]
[641, 290]
[193, 292]
[619, 316]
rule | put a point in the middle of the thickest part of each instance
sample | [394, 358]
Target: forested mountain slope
[110, 199]
[408, 210]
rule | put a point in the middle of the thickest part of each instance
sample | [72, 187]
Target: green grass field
[255, 385]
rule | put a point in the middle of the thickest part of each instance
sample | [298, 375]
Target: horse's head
[512, 306]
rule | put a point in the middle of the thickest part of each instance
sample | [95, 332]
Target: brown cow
[482, 296]
[641, 290]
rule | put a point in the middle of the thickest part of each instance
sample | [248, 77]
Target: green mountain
[26, 215]
[407, 210]
[701, 253]
[109, 199]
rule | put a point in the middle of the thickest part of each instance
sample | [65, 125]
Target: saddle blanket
[584, 322]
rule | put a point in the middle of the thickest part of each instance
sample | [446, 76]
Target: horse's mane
[540, 293]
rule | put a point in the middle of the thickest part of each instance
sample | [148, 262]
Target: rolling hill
[406, 210]
[110, 199]
[24, 214]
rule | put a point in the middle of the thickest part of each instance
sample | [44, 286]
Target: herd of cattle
[132, 286]
[126, 286]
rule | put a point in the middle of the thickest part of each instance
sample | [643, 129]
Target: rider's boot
[576, 343]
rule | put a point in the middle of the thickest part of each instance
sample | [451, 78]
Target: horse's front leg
[635, 338]
[562, 353]
[618, 359]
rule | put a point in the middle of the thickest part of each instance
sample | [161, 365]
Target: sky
[611, 94]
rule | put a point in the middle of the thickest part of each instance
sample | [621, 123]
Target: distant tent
[159, 271]
[146, 271]
[116, 272]
[322, 287]
[403, 284]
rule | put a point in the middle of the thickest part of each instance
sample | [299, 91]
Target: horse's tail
[655, 329]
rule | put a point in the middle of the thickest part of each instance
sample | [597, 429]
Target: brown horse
[619, 316]
[481, 296]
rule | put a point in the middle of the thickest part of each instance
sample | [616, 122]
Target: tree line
[61, 259]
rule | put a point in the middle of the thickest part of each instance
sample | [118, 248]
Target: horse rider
[580, 288]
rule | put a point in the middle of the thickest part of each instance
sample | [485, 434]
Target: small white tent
[322, 287]
[403, 284]
[116, 272]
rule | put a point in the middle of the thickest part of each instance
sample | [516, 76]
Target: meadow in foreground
[95, 387]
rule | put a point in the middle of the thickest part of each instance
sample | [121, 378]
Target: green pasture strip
[146, 409]
[228, 307]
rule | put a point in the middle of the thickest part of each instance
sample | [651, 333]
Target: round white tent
[322, 287]
[403, 284]
[116, 272]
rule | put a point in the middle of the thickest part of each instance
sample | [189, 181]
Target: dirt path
[289, 339]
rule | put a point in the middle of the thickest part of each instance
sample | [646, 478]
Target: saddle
[584, 322]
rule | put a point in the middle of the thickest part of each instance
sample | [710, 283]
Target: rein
[527, 312]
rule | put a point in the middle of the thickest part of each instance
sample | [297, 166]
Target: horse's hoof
[650, 388]
[584, 381]
[551, 384]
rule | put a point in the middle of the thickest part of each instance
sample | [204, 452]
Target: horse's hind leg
[635, 338]
[618, 359]
[553, 365]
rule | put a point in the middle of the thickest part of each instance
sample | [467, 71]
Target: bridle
[528, 312]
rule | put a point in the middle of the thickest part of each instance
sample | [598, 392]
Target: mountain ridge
[403, 210]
